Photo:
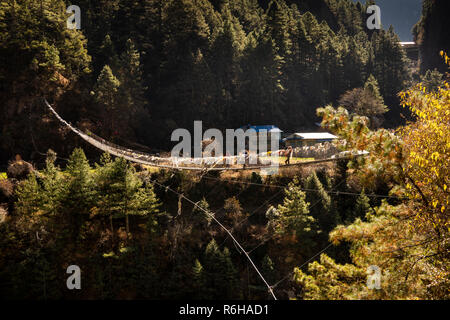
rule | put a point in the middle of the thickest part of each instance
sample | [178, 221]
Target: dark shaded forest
[432, 34]
[137, 70]
[133, 239]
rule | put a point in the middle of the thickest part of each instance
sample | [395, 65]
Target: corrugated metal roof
[312, 136]
[407, 43]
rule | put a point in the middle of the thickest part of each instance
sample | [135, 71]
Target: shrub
[19, 170]
[6, 190]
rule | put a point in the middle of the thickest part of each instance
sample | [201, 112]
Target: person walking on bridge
[288, 153]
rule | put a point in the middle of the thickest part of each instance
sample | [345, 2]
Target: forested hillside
[137, 70]
[433, 35]
[313, 231]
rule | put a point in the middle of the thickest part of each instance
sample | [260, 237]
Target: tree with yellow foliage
[427, 152]
[408, 240]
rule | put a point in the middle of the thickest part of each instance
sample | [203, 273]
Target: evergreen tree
[80, 187]
[199, 216]
[262, 83]
[225, 54]
[248, 12]
[268, 269]
[29, 196]
[431, 33]
[278, 22]
[362, 208]
[122, 193]
[233, 210]
[221, 277]
[371, 85]
[53, 186]
[132, 102]
[79, 191]
[131, 77]
[36, 45]
[107, 55]
[321, 207]
[389, 64]
[199, 288]
[292, 217]
[432, 80]
[106, 94]
[39, 46]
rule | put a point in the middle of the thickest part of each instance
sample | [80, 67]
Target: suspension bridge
[224, 163]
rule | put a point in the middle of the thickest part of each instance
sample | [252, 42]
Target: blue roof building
[269, 128]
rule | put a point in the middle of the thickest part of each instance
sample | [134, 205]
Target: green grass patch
[282, 160]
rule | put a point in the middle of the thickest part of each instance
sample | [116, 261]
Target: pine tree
[268, 269]
[432, 80]
[52, 186]
[225, 54]
[106, 94]
[293, 216]
[389, 64]
[132, 102]
[39, 46]
[321, 207]
[362, 208]
[36, 45]
[371, 85]
[80, 187]
[233, 210]
[220, 273]
[122, 193]
[248, 12]
[431, 33]
[199, 289]
[199, 216]
[233, 290]
[107, 55]
[263, 85]
[279, 23]
[131, 78]
[79, 191]
[106, 87]
[29, 196]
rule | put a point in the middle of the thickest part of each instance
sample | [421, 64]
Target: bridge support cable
[224, 228]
